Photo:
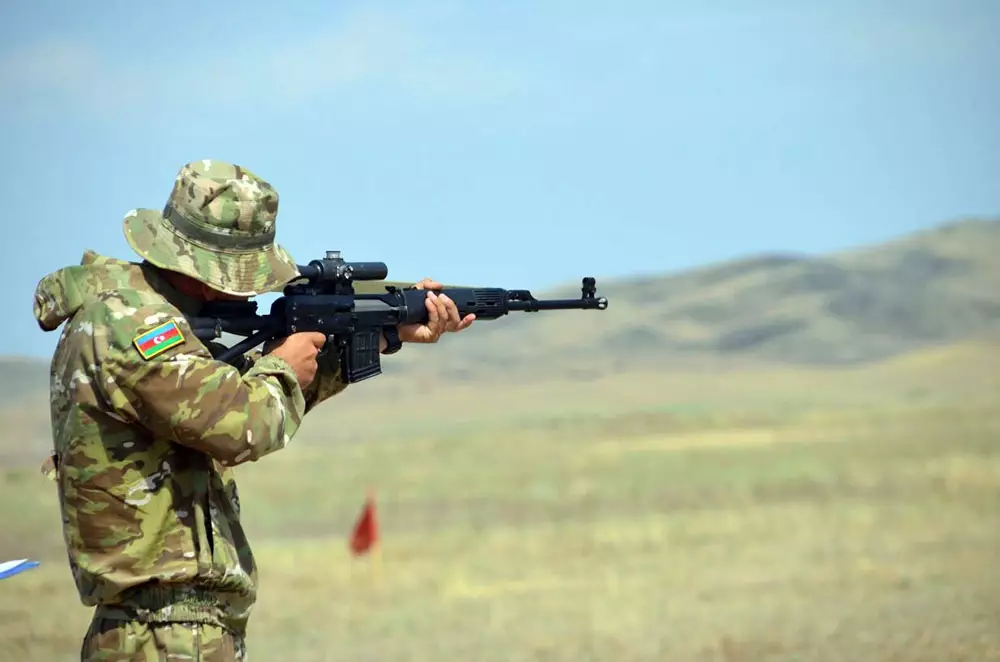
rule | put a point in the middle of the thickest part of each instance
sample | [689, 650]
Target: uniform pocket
[109, 640]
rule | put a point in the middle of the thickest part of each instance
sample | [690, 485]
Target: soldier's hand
[299, 350]
[442, 317]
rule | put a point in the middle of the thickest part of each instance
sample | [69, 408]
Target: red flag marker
[366, 534]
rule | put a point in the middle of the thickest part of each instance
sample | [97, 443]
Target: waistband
[168, 604]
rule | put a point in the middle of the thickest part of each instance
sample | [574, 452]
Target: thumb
[317, 339]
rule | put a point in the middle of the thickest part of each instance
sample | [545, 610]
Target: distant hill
[928, 288]
[925, 289]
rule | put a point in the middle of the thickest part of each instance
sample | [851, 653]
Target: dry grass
[826, 516]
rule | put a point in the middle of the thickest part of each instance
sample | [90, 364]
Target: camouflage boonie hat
[218, 227]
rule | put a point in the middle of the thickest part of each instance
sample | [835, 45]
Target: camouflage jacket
[146, 427]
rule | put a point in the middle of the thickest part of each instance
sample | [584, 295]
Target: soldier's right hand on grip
[299, 350]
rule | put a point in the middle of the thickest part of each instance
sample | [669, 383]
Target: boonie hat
[218, 227]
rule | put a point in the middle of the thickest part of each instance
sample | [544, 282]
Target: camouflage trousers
[114, 640]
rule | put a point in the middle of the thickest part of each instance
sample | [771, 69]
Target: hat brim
[236, 272]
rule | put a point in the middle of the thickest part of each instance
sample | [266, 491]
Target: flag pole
[377, 562]
[376, 550]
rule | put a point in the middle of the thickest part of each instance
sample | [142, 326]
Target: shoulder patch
[158, 340]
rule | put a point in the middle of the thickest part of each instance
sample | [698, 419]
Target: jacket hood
[62, 293]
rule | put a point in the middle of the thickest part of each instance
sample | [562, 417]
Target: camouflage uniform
[147, 425]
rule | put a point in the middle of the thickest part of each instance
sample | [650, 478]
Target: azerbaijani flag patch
[158, 340]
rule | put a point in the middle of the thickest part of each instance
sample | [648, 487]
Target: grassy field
[765, 515]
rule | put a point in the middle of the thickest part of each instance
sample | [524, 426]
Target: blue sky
[462, 140]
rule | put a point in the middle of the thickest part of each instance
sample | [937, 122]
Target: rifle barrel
[533, 305]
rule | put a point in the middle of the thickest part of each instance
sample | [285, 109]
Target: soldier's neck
[173, 288]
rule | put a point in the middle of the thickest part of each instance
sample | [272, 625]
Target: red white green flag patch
[158, 340]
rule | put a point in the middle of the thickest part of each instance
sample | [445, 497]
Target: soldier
[147, 425]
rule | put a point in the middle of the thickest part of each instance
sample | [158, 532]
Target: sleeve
[327, 383]
[159, 375]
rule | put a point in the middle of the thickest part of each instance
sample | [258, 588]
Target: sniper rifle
[343, 301]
